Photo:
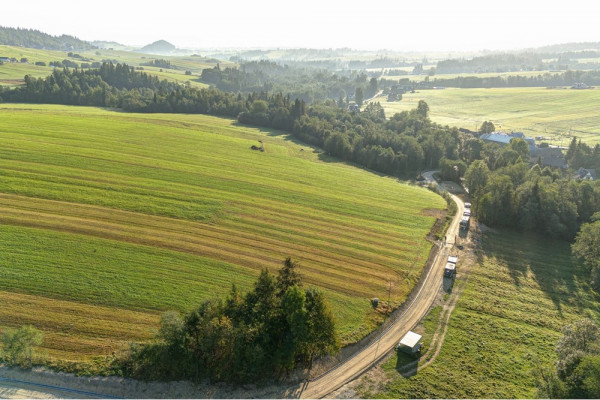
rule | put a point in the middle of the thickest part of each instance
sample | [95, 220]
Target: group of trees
[566, 78]
[577, 370]
[582, 155]
[507, 192]
[159, 63]
[260, 335]
[304, 83]
[38, 40]
[122, 87]
[401, 146]
[492, 63]
[587, 248]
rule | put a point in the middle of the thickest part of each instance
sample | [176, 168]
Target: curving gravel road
[370, 355]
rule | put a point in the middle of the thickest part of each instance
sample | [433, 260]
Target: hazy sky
[414, 25]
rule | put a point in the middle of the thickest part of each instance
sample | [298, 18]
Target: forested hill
[39, 40]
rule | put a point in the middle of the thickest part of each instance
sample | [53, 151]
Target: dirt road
[370, 355]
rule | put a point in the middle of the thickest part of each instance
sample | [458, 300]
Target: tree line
[305, 83]
[566, 78]
[264, 334]
[35, 39]
[121, 86]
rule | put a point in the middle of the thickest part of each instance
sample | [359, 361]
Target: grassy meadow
[557, 114]
[508, 319]
[107, 219]
[12, 74]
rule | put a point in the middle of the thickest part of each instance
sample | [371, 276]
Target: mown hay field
[107, 219]
[554, 113]
[507, 321]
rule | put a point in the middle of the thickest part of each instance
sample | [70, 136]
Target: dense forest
[263, 334]
[305, 83]
[38, 40]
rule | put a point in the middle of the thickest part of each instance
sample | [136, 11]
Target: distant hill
[103, 44]
[38, 40]
[158, 47]
[568, 47]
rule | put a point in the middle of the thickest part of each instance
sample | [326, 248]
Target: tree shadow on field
[548, 260]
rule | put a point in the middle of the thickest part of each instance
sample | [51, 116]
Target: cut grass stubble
[155, 212]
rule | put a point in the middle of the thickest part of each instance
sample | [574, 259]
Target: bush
[19, 345]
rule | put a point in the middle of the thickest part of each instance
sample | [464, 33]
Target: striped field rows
[147, 213]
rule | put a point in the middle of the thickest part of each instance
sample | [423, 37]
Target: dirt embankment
[125, 388]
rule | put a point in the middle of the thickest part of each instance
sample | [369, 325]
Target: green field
[507, 321]
[424, 77]
[122, 216]
[556, 114]
[12, 74]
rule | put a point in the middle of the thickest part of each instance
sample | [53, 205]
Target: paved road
[428, 175]
[370, 355]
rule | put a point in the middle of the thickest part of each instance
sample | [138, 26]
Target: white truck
[450, 268]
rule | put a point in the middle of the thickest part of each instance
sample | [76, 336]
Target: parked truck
[450, 268]
[464, 222]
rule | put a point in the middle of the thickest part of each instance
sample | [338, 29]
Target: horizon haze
[460, 26]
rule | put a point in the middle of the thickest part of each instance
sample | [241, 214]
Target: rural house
[585, 174]
[504, 138]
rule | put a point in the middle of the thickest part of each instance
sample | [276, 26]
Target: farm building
[585, 174]
[504, 138]
[410, 343]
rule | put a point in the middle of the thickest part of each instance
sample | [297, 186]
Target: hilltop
[158, 47]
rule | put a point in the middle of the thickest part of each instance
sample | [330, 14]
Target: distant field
[423, 77]
[507, 320]
[127, 215]
[12, 74]
[554, 113]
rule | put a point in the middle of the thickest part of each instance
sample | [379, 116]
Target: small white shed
[410, 343]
